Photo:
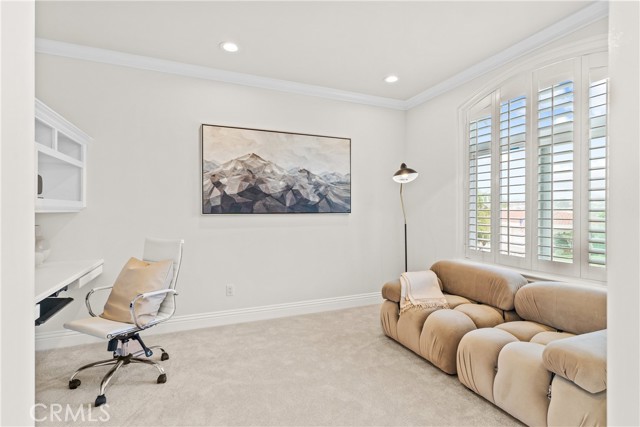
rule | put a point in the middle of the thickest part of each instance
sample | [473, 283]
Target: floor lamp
[403, 176]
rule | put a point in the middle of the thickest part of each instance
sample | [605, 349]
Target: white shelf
[61, 152]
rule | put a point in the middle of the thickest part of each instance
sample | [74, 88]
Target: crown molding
[564, 27]
[580, 19]
[112, 57]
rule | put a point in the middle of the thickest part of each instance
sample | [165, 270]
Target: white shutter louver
[555, 172]
[513, 176]
[597, 172]
[479, 202]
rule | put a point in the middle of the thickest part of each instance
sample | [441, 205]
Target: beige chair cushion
[483, 283]
[138, 277]
[567, 307]
[581, 359]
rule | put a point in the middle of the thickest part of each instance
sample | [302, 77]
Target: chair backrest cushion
[161, 249]
[483, 283]
[565, 306]
[138, 277]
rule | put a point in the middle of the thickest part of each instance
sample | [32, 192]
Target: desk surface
[52, 276]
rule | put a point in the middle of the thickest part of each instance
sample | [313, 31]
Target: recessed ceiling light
[229, 47]
[391, 79]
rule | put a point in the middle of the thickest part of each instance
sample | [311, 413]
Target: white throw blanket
[420, 290]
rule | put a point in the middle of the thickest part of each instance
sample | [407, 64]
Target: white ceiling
[348, 46]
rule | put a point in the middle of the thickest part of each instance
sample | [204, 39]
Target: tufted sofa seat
[479, 296]
[548, 368]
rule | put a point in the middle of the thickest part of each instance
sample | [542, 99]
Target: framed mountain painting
[251, 171]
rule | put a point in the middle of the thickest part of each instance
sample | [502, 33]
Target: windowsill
[538, 276]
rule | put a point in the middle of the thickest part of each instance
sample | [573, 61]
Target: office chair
[119, 334]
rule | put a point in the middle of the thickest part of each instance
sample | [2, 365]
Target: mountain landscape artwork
[251, 171]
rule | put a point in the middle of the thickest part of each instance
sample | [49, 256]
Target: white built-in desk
[54, 277]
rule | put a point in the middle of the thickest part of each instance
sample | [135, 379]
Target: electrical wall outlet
[231, 290]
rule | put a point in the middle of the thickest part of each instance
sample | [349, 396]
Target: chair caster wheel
[74, 384]
[101, 400]
[162, 378]
[165, 356]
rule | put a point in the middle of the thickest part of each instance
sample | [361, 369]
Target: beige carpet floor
[326, 369]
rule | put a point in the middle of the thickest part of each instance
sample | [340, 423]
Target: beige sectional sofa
[479, 296]
[549, 368]
[536, 350]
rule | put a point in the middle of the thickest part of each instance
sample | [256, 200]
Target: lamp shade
[405, 174]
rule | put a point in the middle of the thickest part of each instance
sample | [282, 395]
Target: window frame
[527, 81]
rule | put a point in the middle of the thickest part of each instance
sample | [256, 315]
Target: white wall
[623, 403]
[144, 180]
[16, 207]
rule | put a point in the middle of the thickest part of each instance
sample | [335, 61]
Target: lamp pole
[402, 176]
[404, 216]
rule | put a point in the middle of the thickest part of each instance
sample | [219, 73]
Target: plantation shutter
[513, 115]
[597, 172]
[479, 183]
[595, 240]
[556, 184]
[555, 172]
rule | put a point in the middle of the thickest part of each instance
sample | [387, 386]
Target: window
[536, 170]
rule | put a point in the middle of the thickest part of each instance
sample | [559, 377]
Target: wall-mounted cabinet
[61, 154]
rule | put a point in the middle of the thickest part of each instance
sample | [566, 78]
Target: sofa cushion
[484, 316]
[581, 359]
[487, 284]
[564, 306]
[574, 406]
[409, 328]
[441, 335]
[524, 330]
[389, 318]
[391, 290]
[477, 359]
[545, 338]
[456, 300]
[522, 383]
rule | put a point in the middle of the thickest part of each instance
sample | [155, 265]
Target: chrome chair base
[118, 361]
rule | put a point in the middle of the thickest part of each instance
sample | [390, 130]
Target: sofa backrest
[565, 306]
[483, 283]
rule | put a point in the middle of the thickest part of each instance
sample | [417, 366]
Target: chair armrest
[581, 359]
[391, 291]
[132, 305]
[87, 301]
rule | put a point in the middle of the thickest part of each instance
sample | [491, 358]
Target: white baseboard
[66, 338]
